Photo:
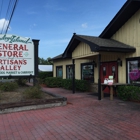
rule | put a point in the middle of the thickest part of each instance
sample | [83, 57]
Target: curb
[32, 107]
[62, 101]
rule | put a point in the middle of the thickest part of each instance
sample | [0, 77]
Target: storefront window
[69, 71]
[133, 71]
[87, 72]
[59, 71]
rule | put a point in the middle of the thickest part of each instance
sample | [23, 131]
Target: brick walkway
[84, 118]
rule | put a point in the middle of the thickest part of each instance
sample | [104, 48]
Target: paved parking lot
[83, 118]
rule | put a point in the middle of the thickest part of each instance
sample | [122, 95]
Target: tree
[49, 62]
[42, 61]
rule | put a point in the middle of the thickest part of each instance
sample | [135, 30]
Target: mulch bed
[31, 102]
[16, 99]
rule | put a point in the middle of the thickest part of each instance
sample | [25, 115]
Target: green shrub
[43, 75]
[82, 85]
[21, 81]
[129, 92]
[40, 81]
[33, 93]
[53, 82]
[8, 86]
[67, 83]
[0, 96]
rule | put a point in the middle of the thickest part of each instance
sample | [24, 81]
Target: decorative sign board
[16, 56]
[110, 77]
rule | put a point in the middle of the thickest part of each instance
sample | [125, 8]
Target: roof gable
[75, 40]
[125, 13]
[96, 44]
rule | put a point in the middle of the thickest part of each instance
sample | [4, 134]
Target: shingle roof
[57, 57]
[101, 42]
[96, 44]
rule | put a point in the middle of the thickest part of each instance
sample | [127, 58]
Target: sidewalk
[83, 118]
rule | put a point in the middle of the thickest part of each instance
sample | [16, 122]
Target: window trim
[130, 59]
[57, 68]
[88, 63]
[66, 69]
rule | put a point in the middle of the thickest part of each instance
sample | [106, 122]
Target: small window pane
[133, 71]
[87, 72]
[69, 72]
[59, 72]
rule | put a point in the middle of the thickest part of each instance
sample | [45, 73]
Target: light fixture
[94, 63]
[119, 61]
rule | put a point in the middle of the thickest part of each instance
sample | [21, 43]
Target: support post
[34, 82]
[99, 77]
[73, 77]
[36, 44]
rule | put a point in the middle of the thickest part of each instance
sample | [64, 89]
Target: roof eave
[116, 49]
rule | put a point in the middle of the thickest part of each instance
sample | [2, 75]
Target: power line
[9, 14]
[1, 7]
[6, 16]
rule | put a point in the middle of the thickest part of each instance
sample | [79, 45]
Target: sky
[53, 22]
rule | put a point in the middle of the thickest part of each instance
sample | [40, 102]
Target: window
[59, 71]
[87, 72]
[69, 71]
[133, 67]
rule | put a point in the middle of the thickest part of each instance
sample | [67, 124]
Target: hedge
[43, 75]
[129, 92]
[53, 82]
[80, 85]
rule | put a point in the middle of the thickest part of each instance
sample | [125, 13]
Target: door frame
[108, 66]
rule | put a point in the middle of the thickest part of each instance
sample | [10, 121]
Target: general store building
[116, 51]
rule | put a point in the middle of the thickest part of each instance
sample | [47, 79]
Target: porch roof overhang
[89, 56]
[97, 44]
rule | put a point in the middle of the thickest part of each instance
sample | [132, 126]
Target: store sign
[16, 56]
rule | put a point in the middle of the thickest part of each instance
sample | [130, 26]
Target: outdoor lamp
[119, 61]
[94, 63]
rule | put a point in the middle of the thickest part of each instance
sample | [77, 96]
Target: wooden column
[73, 77]
[36, 44]
[99, 77]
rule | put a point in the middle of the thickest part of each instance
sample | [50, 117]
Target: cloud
[32, 26]
[4, 24]
[84, 25]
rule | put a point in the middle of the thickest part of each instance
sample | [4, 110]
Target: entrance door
[107, 69]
